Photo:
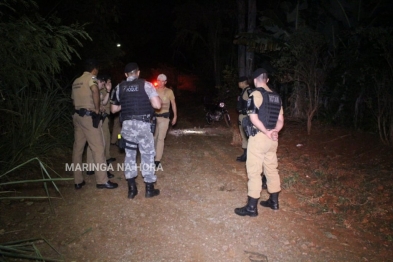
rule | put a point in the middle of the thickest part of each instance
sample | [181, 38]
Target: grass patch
[289, 181]
[7, 193]
[27, 250]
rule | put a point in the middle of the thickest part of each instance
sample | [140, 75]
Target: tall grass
[27, 249]
[34, 124]
[46, 178]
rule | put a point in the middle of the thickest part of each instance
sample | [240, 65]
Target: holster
[153, 124]
[122, 143]
[96, 119]
[248, 127]
[103, 116]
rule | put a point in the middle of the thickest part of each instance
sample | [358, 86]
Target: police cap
[242, 79]
[130, 67]
[258, 72]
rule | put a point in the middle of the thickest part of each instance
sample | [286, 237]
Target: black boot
[272, 202]
[109, 175]
[250, 209]
[243, 157]
[264, 185]
[150, 191]
[132, 189]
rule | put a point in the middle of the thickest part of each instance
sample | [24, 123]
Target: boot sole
[132, 197]
[275, 209]
[246, 215]
[243, 215]
[151, 196]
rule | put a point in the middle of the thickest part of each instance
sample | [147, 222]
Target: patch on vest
[134, 88]
[275, 99]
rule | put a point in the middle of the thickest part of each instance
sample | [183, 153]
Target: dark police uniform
[134, 97]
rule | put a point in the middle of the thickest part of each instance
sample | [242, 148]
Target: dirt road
[193, 218]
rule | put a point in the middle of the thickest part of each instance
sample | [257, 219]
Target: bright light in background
[155, 83]
[118, 45]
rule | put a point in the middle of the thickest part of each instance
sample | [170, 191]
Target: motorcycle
[216, 112]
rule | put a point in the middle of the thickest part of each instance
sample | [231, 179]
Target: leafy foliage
[34, 124]
[304, 59]
[351, 78]
[34, 108]
[33, 49]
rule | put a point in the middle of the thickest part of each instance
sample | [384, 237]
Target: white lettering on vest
[132, 88]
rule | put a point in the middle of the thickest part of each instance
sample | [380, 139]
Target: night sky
[146, 31]
[143, 28]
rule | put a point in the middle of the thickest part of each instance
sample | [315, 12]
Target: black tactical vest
[241, 103]
[133, 99]
[270, 108]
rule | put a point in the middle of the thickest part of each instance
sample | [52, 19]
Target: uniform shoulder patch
[95, 81]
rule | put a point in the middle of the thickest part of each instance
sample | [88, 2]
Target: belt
[84, 112]
[165, 115]
[144, 118]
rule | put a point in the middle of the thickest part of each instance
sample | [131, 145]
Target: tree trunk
[241, 56]
[310, 116]
[216, 53]
[390, 142]
[309, 124]
[252, 15]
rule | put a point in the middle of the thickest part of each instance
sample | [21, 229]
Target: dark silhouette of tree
[203, 28]
[247, 13]
[346, 96]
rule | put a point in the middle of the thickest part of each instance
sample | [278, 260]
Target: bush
[34, 124]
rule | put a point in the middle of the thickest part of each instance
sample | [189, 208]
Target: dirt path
[192, 219]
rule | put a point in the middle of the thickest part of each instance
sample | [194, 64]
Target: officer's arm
[174, 109]
[96, 98]
[115, 104]
[108, 87]
[105, 99]
[280, 123]
[258, 123]
[155, 102]
[115, 108]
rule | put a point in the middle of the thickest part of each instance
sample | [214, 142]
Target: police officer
[106, 110]
[86, 99]
[162, 115]
[104, 88]
[266, 114]
[136, 100]
[242, 110]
